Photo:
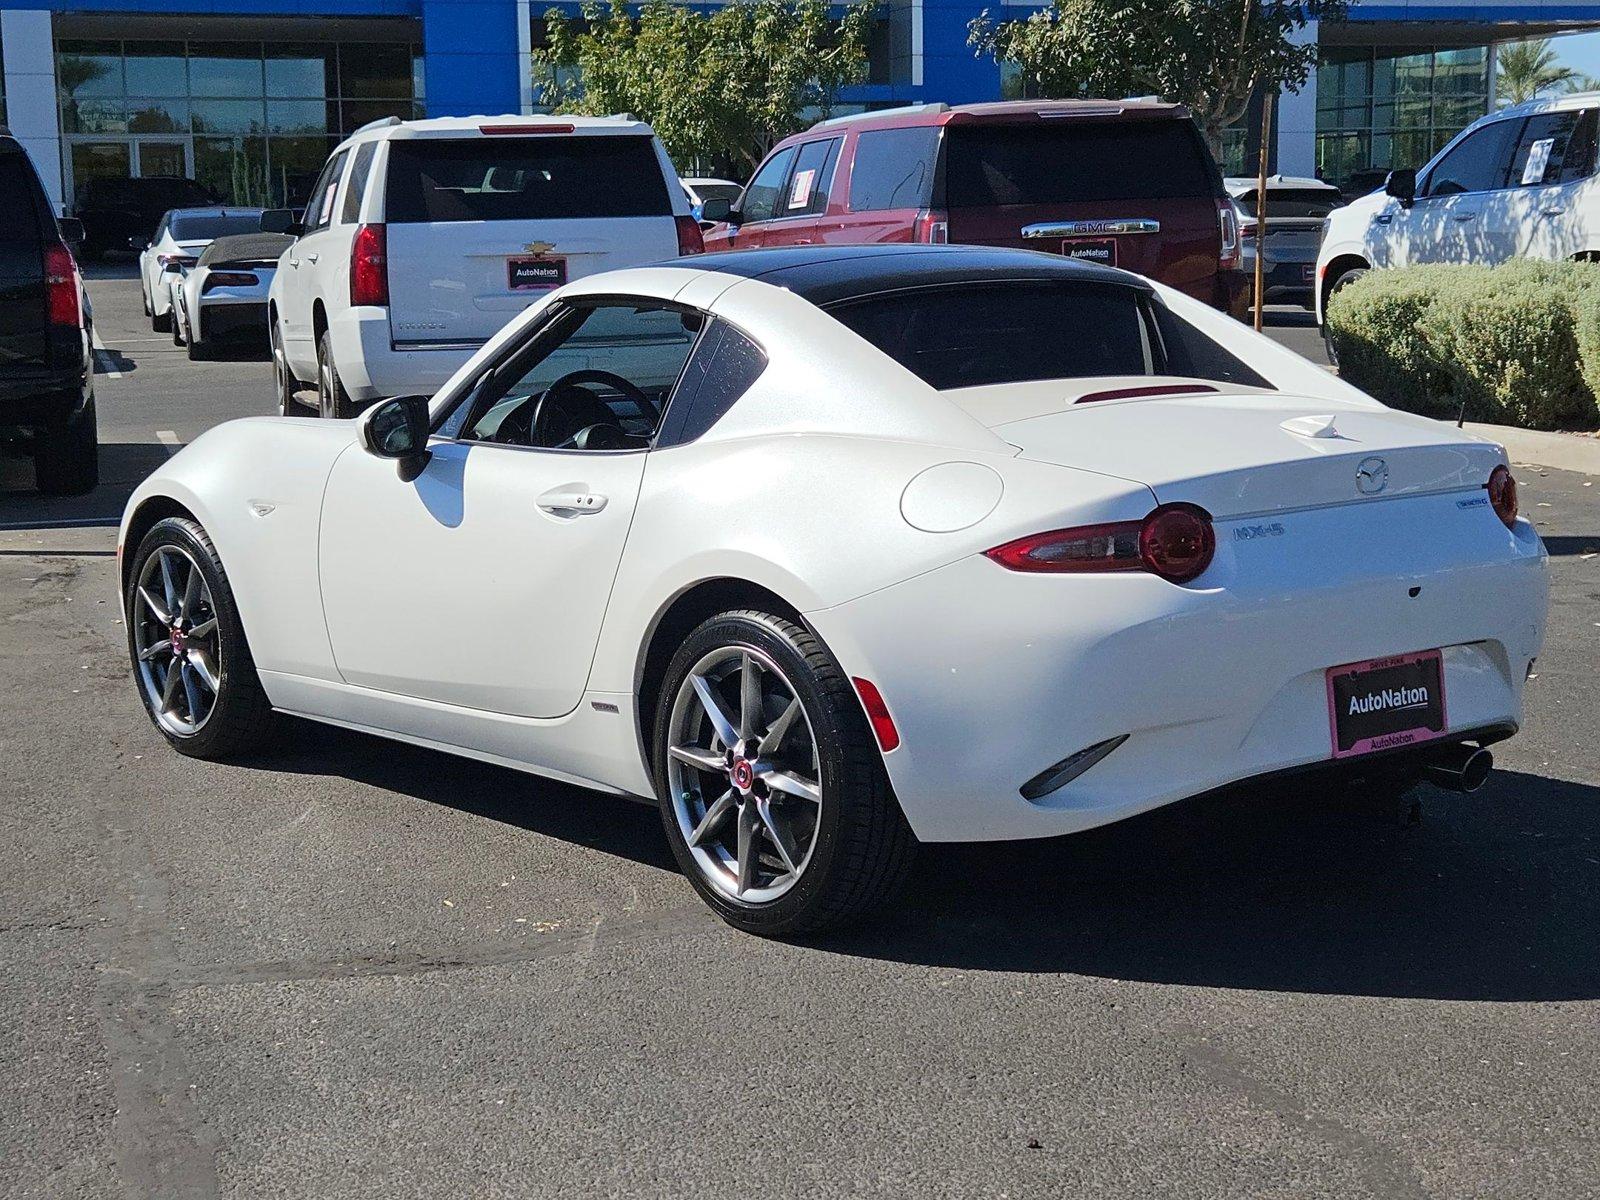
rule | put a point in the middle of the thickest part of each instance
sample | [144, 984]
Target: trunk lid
[481, 225]
[1243, 454]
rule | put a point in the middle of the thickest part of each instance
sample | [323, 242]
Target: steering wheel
[566, 412]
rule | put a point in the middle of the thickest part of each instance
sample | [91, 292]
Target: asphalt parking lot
[354, 968]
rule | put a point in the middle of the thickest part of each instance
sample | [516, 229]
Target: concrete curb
[1562, 451]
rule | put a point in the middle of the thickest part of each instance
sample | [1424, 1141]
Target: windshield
[1061, 161]
[550, 177]
[718, 191]
[1292, 202]
[1017, 332]
[204, 227]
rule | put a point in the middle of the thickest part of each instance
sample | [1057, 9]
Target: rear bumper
[43, 401]
[239, 319]
[992, 676]
[372, 368]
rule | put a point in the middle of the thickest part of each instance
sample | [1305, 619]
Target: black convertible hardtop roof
[245, 247]
[830, 274]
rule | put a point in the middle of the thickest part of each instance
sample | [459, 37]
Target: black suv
[46, 358]
[121, 214]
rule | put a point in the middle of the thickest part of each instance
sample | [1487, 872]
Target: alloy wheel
[176, 641]
[745, 774]
[324, 389]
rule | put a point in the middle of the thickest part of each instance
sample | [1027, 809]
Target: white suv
[422, 238]
[1517, 183]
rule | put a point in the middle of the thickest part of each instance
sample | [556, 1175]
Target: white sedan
[222, 299]
[179, 238]
[828, 550]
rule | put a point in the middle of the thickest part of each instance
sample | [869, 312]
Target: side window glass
[761, 197]
[1542, 148]
[1579, 162]
[808, 187]
[893, 168]
[319, 209]
[1477, 164]
[723, 366]
[356, 190]
[597, 378]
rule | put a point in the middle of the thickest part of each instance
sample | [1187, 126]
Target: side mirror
[719, 209]
[280, 220]
[398, 429]
[1402, 185]
[71, 230]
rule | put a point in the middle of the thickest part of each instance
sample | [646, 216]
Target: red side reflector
[878, 714]
[1133, 393]
[524, 130]
[61, 286]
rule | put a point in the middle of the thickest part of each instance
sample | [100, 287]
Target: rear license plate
[535, 274]
[1386, 702]
[1103, 251]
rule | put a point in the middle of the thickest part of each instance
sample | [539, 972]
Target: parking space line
[169, 440]
[103, 358]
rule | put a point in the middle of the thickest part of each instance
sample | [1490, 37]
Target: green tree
[720, 85]
[1581, 83]
[1210, 55]
[1528, 69]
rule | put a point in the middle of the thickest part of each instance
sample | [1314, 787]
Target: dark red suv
[1125, 183]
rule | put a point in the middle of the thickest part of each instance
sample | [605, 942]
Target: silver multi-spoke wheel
[177, 646]
[745, 775]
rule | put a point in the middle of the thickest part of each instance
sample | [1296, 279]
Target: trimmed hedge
[1517, 344]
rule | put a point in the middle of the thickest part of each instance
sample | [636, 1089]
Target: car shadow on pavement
[1494, 896]
[1561, 547]
[1491, 897]
[123, 466]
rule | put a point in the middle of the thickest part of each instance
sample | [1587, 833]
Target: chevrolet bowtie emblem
[539, 249]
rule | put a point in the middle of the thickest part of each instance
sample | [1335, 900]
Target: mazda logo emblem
[1372, 476]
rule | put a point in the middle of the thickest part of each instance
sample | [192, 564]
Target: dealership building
[247, 96]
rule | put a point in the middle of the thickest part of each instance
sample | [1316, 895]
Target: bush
[1517, 344]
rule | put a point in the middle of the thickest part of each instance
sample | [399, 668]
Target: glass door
[100, 160]
[163, 158]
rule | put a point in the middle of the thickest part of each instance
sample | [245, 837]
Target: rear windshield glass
[204, 228]
[974, 335]
[1062, 161]
[1289, 202]
[524, 178]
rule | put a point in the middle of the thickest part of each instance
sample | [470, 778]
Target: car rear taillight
[1502, 488]
[61, 286]
[690, 240]
[931, 226]
[1174, 541]
[1228, 223]
[369, 266]
[222, 279]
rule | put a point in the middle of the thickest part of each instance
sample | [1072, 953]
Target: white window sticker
[1538, 160]
[800, 193]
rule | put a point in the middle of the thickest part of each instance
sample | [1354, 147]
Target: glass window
[524, 178]
[766, 189]
[1542, 146]
[356, 189]
[1064, 161]
[201, 227]
[1579, 162]
[85, 69]
[319, 208]
[297, 118]
[234, 167]
[597, 378]
[296, 163]
[724, 365]
[158, 116]
[893, 168]
[156, 69]
[807, 191]
[375, 70]
[94, 115]
[225, 69]
[1477, 164]
[301, 71]
[227, 116]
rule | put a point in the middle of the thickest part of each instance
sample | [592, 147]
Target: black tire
[863, 847]
[66, 459]
[144, 298]
[241, 718]
[161, 323]
[332, 400]
[199, 351]
[283, 380]
[177, 329]
[1344, 280]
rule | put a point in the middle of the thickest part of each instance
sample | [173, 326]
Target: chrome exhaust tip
[1460, 768]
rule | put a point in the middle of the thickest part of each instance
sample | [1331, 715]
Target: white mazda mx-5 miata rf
[832, 549]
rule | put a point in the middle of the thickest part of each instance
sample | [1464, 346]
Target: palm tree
[1581, 83]
[1528, 69]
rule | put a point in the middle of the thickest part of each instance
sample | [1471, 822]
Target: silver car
[1296, 209]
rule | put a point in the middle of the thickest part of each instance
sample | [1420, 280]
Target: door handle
[1551, 212]
[562, 503]
[1465, 216]
[295, 263]
[311, 258]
